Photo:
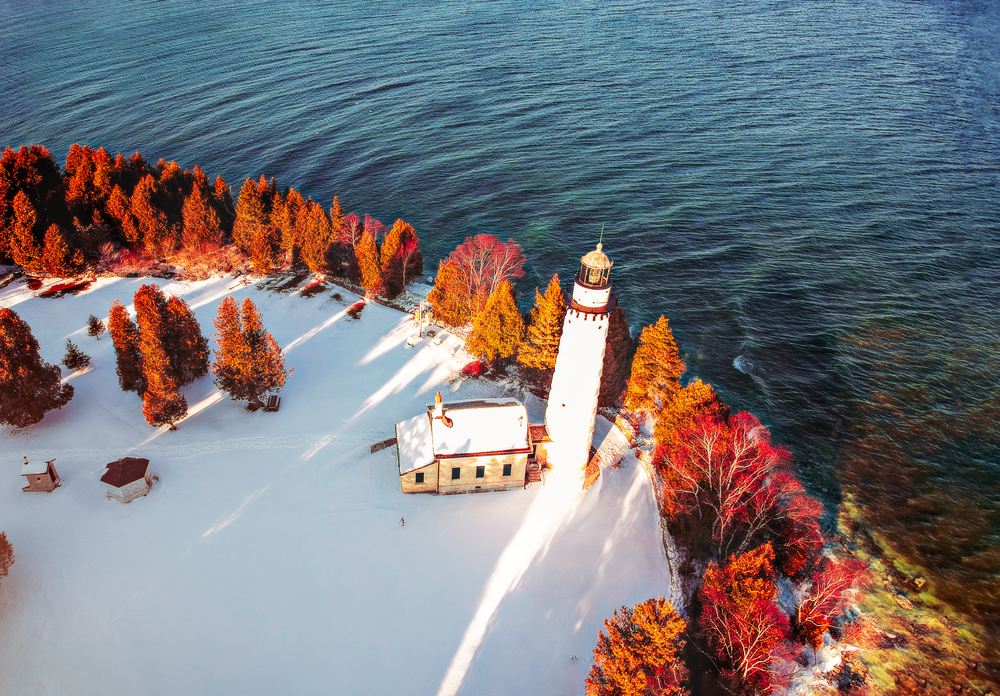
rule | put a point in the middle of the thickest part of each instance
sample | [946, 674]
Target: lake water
[808, 189]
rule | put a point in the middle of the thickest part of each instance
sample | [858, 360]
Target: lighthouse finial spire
[600, 242]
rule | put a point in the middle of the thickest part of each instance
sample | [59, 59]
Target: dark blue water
[808, 189]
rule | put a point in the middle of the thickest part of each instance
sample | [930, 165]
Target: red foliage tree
[350, 235]
[23, 244]
[641, 653]
[740, 623]
[720, 471]
[827, 598]
[475, 270]
[29, 386]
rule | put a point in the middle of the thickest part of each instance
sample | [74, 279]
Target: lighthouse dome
[596, 259]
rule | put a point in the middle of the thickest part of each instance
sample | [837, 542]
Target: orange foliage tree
[656, 369]
[202, 226]
[499, 329]
[740, 622]
[125, 336]
[541, 344]
[248, 362]
[366, 251]
[641, 653]
[401, 259]
[678, 414]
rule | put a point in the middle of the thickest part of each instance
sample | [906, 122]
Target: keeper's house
[464, 447]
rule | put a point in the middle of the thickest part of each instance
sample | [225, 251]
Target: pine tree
[401, 258]
[656, 369]
[29, 386]
[95, 327]
[125, 336]
[24, 249]
[617, 354]
[678, 415]
[367, 255]
[184, 343]
[120, 208]
[6, 555]
[222, 201]
[545, 329]
[641, 653]
[317, 238]
[202, 229]
[75, 358]
[499, 329]
[55, 254]
[151, 222]
[162, 402]
[248, 361]
[449, 297]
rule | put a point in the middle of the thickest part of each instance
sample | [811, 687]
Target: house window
[420, 477]
[506, 469]
[480, 472]
[456, 472]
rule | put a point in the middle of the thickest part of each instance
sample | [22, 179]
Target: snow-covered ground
[269, 557]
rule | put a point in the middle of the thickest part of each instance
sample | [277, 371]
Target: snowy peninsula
[271, 555]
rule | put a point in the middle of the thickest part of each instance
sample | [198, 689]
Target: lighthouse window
[456, 472]
[480, 472]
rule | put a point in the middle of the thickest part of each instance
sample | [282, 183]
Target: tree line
[730, 496]
[122, 213]
[159, 352]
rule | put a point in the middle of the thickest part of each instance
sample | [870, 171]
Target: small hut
[42, 477]
[127, 479]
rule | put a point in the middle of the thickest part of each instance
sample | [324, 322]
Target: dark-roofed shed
[127, 479]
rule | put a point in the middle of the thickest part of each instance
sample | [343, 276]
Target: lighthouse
[572, 405]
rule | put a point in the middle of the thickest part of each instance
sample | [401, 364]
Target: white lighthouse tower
[572, 406]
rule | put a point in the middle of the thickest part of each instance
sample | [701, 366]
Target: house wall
[493, 479]
[40, 482]
[409, 480]
[131, 491]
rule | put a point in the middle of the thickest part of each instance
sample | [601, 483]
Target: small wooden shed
[127, 479]
[42, 477]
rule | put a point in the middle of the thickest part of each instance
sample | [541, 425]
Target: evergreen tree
[641, 655]
[222, 201]
[125, 336]
[617, 354]
[162, 402]
[151, 222]
[248, 361]
[24, 249]
[656, 369]
[202, 229]
[368, 264]
[95, 327]
[545, 329]
[120, 208]
[75, 358]
[499, 329]
[317, 238]
[678, 415]
[449, 298]
[401, 258]
[184, 343]
[29, 386]
[6, 555]
[56, 254]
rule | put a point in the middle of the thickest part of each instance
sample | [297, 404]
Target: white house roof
[484, 425]
[478, 427]
[413, 441]
[35, 467]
